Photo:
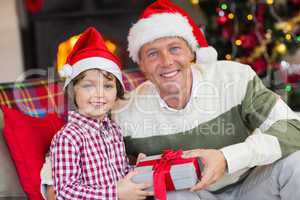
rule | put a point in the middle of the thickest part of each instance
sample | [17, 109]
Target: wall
[11, 66]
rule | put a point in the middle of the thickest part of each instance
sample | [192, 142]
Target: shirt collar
[196, 78]
[83, 120]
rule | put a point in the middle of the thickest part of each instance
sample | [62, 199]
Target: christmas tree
[264, 34]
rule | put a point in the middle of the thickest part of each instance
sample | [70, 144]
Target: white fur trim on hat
[158, 26]
[94, 63]
[206, 54]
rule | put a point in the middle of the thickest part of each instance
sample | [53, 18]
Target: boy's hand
[140, 157]
[127, 190]
[50, 192]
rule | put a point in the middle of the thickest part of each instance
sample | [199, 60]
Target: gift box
[167, 172]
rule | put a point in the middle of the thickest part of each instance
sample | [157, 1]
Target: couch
[35, 97]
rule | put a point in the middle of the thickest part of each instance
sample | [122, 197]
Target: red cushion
[28, 139]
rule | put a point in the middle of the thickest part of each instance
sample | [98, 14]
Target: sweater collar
[196, 78]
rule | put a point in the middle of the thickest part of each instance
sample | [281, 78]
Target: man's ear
[193, 57]
[141, 66]
[142, 69]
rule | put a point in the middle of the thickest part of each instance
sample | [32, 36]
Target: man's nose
[167, 59]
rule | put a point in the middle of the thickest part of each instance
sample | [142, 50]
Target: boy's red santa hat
[165, 19]
[90, 52]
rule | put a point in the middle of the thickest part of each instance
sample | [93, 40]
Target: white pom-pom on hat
[206, 55]
[66, 71]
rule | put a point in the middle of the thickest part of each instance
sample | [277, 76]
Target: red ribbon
[162, 180]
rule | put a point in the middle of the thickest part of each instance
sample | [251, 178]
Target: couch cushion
[28, 139]
[34, 97]
[132, 79]
[9, 182]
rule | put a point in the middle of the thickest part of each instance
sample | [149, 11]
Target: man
[245, 135]
[220, 109]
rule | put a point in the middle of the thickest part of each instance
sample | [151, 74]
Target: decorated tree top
[261, 33]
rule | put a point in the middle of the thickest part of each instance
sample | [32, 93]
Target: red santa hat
[165, 19]
[90, 52]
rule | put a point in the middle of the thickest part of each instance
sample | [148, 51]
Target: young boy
[88, 156]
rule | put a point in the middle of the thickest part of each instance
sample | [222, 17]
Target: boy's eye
[87, 85]
[108, 86]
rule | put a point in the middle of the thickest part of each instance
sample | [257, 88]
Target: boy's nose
[100, 91]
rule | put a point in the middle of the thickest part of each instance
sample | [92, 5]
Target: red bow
[162, 181]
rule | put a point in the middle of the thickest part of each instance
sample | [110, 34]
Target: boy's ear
[70, 96]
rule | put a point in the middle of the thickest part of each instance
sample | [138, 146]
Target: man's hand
[214, 166]
[127, 190]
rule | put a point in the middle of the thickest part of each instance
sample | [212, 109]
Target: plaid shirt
[88, 158]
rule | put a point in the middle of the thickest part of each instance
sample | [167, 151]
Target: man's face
[166, 62]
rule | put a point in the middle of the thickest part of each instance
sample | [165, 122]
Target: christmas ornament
[222, 20]
[34, 6]
[227, 32]
[296, 2]
[249, 41]
[259, 66]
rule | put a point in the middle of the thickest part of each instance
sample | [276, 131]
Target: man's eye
[152, 54]
[175, 49]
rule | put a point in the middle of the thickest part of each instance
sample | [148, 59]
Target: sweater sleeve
[276, 129]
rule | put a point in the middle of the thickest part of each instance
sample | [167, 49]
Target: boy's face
[95, 94]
